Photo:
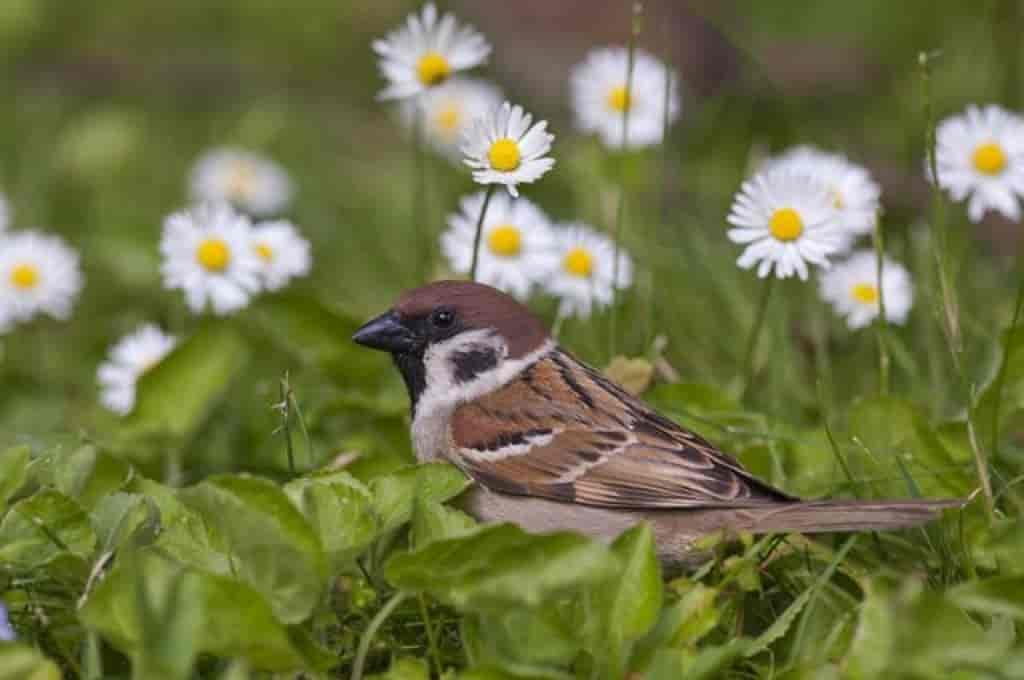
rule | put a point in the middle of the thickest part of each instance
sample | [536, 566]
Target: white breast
[443, 393]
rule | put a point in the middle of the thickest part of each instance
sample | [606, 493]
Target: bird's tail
[816, 517]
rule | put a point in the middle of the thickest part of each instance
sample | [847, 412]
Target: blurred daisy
[503, 148]
[980, 155]
[133, 355]
[599, 97]
[209, 253]
[426, 52]
[38, 274]
[449, 109]
[282, 251]
[583, 272]
[852, 289]
[517, 242]
[247, 180]
[855, 195]
[787, 220]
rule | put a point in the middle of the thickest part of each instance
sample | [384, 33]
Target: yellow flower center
[433, 69]
[990, 158]
[786, 224]
[837, 199]
[619, 99]
[579, 262]
[505, 241]
[242, 179]
[265, 252]
[865, 292]
[25, 276]
[504, 155]
[213, 254]
[448, 120]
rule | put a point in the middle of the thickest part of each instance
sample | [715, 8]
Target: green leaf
[21, 662]
[87, 475]
[123, 516]
[404, 668]
[169, 607]
[42, 527]
[393, 494]
[269, 543]
[432, 521]
[317, 335]
[175, 397]
[13, 471]
[537, 642]
[625, 606]
[340, 510]
[997, 596]
[501, 566]
[708, 662]
[872, 644]
[235, 620]
[781, 625]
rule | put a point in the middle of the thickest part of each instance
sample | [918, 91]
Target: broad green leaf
[121, 516]
[340, 510]
[997, 596]
[235, 621]
[900, 442]
[501, 566]
[177, 394]
[707, 662]
[42, 527]
[13, 471]
[393, 494]
[21, 662]
[432, 521]
[539, 642]
[318, 335]
[270, 545]
[1011, 398]
[87, 475]
[682, 624]
[170, 616]
[626, 605]
[872, 644]
[404, 668]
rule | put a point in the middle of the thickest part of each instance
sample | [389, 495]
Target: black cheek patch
[471, 363]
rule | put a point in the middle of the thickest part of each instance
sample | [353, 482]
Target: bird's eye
[442, 318]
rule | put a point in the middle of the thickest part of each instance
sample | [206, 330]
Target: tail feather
[815, 517]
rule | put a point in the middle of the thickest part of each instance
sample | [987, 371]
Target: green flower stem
[755, 334]
[941, 255]
[371, 630]
[881, 323]
[419, 192]
[480, 231]
[620, 210]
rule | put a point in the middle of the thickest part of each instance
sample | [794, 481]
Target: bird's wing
[563, 431]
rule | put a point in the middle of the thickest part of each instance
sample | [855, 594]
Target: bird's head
[456, 338]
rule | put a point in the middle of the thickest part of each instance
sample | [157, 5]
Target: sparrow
[551, 444]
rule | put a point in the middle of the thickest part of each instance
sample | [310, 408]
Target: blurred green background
[107, 105]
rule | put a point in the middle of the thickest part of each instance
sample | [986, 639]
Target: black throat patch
[470, 363]
[414, 374]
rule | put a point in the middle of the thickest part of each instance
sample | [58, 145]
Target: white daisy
[851, 287]
[209, 253]
[600, 100]
[584, 270]
[38, 274]
[980, 155]
[282, 251]
[517, 245]
[854, 193]
[503, 148]
[788, 219]
[248, 181]
[448, 111]
[133, 355]
[426, 52]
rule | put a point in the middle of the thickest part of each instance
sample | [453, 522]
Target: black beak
[387, 333]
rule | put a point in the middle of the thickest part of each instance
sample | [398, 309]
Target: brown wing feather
[607, 449]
